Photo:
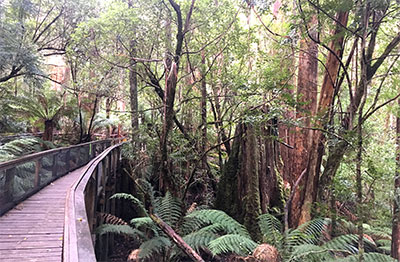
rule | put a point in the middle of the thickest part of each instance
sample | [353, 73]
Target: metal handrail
[40, 172]
[78, 244]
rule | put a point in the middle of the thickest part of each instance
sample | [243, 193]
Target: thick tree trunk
[307, 100]
[309, 191]
[250, 184]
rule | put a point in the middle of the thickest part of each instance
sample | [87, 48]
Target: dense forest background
[283, 115]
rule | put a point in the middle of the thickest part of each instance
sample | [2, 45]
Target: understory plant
[214, 234]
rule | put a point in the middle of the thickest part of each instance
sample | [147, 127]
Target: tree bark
[307, 104]
[309, 191]
[48, 130]
[250, 184]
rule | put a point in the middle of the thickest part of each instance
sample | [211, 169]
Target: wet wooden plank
[33, 230]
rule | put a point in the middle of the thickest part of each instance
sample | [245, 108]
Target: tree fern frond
[309, 253]
[232, 243]
[368, 257]
[144, 223]
[212, 216]
[189, 225]
[119, 229]
[199, 240]
[313, 229]
[270, 228]
[214, 229]
[344, 243]
[155, 245]
[133, 199]
[169, 209]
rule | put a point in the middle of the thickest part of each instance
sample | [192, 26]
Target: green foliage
[119, 229]
[23, 146]
[368, 257]
[232, 243]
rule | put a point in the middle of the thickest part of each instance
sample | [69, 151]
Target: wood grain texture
[33, 230]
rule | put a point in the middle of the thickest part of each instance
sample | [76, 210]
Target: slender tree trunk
[133, 89]
[395, 250]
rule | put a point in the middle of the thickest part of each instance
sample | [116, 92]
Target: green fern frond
[214, 229]
[133, 199]
[232, 243]
[189, 225]
[309, 253]
[155, 245]
[270, 228]
[344, 243]
[368, 257]
[119, 229]
[168, 208]
[199, 240]
[314, 229]
[384, 242]
[144, 223]
[212, 216]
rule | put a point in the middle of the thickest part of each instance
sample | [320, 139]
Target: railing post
[7, 195]
[55, 166]
[67, 159]
[37, 173]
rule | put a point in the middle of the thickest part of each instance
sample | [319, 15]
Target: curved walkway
[33, 230]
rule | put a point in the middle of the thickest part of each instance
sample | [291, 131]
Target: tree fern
[153, 246]
[232, 243]
[271, 229]
[368, 257]
[120, 229]
[200, 239]
[212, 216]
[168, 208]
[133, 199]
[309, 253]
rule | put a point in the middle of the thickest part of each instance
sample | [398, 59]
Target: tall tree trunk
[309, 191]
[307, 100]
[395, 250]
[133, 89]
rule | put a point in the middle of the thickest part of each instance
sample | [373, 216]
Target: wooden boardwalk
[33, 231]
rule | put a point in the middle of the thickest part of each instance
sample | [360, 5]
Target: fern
[168, 208]
[198, 240]
[133, 199]
[119, 229]
[368, 257]
[144, 223]
[212, 216]
[232, 243]
[310, 252]
[270, 228]
[190, 224]
[156, 245]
